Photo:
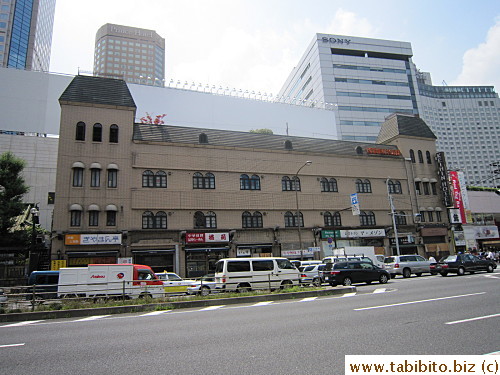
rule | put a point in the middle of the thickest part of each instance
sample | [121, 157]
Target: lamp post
[393, 215]
[296, 185]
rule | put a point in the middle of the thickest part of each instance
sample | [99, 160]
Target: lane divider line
[20, 324]
[153, 313]
[420, 301]
[90, 318]
[308, 299]
[11, 345]
[209, 308]
[265, 303]
[473, 319]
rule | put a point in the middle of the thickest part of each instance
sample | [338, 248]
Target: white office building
[364, 80]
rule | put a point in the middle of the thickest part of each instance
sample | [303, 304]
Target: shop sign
[443, 179]
[296, 253]
[243, 252]
[127, 260]
[481, 232]
[330, 233]
[382, 151]
[459, 238]
[354, 233]
[93, 239]
[457, 195]
[206, 237]
[433, 232]
[57, 264]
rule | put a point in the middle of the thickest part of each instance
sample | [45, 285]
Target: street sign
[355, 204]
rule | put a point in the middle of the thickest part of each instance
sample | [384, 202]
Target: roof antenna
[287, 128]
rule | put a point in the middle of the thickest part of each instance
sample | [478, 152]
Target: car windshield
[389, 260]
[309, 268]
[174, 277]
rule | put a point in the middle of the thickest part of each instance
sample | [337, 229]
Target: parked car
[405, 265]
[173, 283]
[352, 272]
[312, 275]
[462, 263]
[43, 285]
[204, 286]
[3, 297]
[301, 264]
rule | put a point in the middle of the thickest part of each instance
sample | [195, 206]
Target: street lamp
[296, 185]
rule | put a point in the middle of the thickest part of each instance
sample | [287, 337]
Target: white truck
[356, 252]
[109, 280]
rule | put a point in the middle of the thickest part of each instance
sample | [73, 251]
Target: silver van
[406, 265]
[245, 274]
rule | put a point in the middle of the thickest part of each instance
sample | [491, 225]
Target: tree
[12, 190]
[262, 131]
[148, 119]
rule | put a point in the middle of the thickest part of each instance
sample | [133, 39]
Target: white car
[204, 286]
[173, 283]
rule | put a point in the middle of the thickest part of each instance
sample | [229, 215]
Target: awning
[162, 251]
[430, 208]
[417, 179]
[439, 209]
[113, 166]
[93, 207]
[79, 254]
[111, 207]
[95, 166]
[75, 207]
[425, 179]
[255, 246]
[78, 164]
[433, 180]
[206, 249]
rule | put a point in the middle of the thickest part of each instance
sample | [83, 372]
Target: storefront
[331, 239]
[203, 250]
[254, 250]
[158, 260]
[84, 258]
[84, 249]
[434, 241]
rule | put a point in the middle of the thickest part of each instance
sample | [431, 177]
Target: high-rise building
[133, 54]
[26, 33]
[364, 80]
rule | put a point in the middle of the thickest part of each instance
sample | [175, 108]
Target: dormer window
[203, 138]
[359, 150]
[288, 145]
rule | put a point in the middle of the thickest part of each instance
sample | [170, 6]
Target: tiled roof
[410, 126]
[228, 138]
[98, 90]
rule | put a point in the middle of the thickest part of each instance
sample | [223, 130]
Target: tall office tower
[135, 55]
[26, 33]
[362, 80]
[466, 120]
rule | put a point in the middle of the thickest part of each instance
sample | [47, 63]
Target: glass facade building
[26, 33]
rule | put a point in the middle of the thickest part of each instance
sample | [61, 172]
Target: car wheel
[419, 274]
[243, 288]
[204, 291]
[461, 271]
[347, 281]
[287, 284]
[490, 268]
[317, 281]
[383, 279]
[444, 273]
[406, 273]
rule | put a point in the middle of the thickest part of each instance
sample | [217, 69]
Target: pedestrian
[432, 259]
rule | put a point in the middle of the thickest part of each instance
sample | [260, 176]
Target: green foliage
[14, 188]
[262, 131]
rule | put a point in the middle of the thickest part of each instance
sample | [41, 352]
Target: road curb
[57, 314]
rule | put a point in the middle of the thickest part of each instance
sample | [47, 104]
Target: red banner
[457, 195]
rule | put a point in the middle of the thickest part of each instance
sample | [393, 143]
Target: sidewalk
[56, 314]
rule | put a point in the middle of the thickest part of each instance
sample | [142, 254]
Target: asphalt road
[417, 316]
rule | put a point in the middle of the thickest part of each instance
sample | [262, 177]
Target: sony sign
[336, 40]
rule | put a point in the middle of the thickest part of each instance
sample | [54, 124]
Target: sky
[254, 44]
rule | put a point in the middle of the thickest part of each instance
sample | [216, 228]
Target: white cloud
[349, 23]
[480, 64]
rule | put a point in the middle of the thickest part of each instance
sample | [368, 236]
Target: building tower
[26, 33]
[133, 54]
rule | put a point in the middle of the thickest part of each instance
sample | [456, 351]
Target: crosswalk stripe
[308, 299]
[90, 318]
[380, 290]
[20, 324]
[265, 303]
[349, 294]
[152, 313]
[212, 308]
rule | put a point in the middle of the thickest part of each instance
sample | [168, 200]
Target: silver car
[312, 275]
[203, 286]
[406, 265]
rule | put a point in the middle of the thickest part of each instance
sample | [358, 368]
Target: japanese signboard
[362, 233]
[93, 239]
[443, 179]
[457, 195]
[355, 204]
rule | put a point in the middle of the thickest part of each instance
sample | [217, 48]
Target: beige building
[133, 54]
[180, 198]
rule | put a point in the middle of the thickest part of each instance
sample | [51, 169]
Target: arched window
[332, 220]
[412, 156]
[148, 179]
[286, 184]
[210, 220]
[203, 138]
[80, 131]
[400, 218]
[95, 175]
[76, 215]
[113, 133]
[209, 181]
[367, 218]
[255, 182]
[428, 157]
[197, 180]
[251, 221]
[244, 182]
[359, 150]
[161, 179]
[394, 187]
[363, 186]
[161, 220]
[112, 176]
[288, 145]
[328, 185]
[420, 157]
[291, 219]
[78, 174]
[203, 182]
[199, 219]
[148, 220]
[97, 133]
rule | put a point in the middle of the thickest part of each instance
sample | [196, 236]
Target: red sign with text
[206, 237]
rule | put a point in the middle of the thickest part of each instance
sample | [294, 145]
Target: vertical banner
[355, 204]
[457, 195]
[443, 179]
[465, 197]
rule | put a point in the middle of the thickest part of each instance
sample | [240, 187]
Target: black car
[352, 272]
[462, 263]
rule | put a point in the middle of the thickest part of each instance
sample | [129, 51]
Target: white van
[245, 274]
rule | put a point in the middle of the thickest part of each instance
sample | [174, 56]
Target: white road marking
[349, 294]
[421, 301]
[308, 299]
[472, 319]
[152, 313]
[380, 290]
[265, 303]
[20, 324]
[491, 276]
[212, 308]
[90, 318]
[492, 353]
[10, 345]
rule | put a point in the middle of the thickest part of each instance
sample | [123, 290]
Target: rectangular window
[438, 216]
[431, 216]
[426, 188]
[78, 177]
[111, 218]
[112, 178]
[76, 218]
[238, 266]
[51, 197]
[95, 177]
[93, 218]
